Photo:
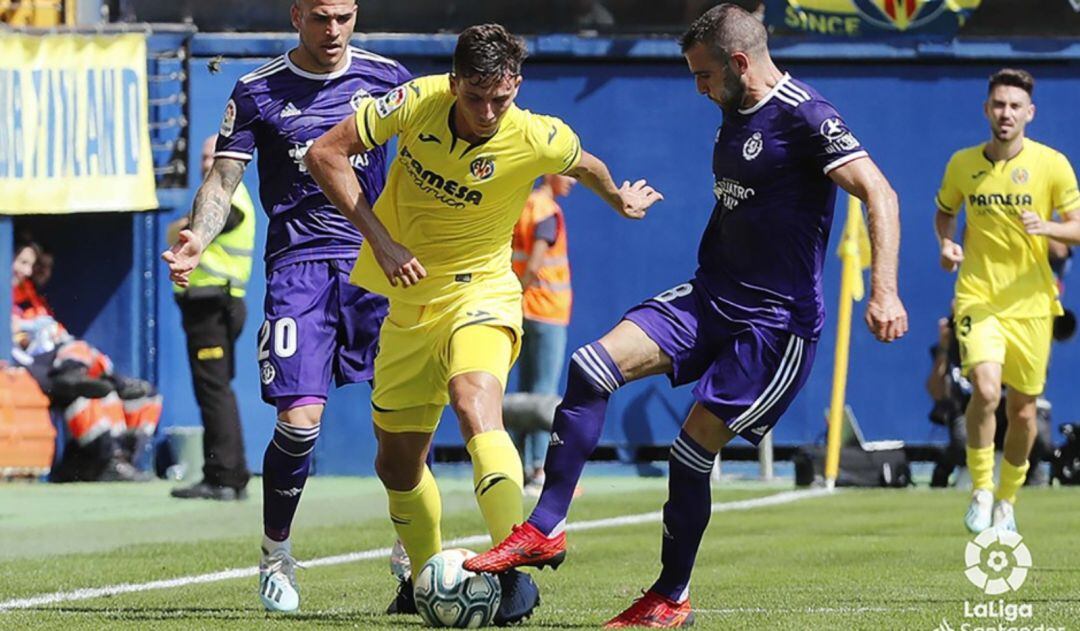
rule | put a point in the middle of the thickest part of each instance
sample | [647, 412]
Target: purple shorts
[317, 325]
[747, 373]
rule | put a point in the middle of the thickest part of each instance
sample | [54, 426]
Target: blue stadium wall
[634, 105]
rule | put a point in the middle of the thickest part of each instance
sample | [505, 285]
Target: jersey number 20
[284, 338]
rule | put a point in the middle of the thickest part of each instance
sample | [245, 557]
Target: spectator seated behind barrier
[109, 419]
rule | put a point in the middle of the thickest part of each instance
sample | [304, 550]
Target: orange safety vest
[27, 303]
[549, 301]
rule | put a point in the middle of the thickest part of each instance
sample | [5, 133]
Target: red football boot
[525, 546]
[656, 611]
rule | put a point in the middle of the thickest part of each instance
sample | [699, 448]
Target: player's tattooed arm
[213, 201]
[885, 313]
[629, 200]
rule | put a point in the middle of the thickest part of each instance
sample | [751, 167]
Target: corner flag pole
[853, 252]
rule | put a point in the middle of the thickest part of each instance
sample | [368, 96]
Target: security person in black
[213, 313]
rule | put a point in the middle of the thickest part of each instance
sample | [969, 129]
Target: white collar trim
[297, 70]
[768, 97]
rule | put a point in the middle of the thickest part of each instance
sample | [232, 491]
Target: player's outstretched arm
[885, 313]
[629, 200]
[328, 162]
[213, 201]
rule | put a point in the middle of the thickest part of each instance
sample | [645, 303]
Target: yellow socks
[497, 482]
[980, 464]
[1012, 478]
[416, 516]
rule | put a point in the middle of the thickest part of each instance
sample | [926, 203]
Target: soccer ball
[448, 595]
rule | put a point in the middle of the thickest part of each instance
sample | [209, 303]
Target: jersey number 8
[675, 292]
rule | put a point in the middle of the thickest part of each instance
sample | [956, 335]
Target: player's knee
[399, 461]
[1022, 410]
[590, 365]
[302, 416]
[385, 470]
[475, 399]
[986, 393]
[397, 474]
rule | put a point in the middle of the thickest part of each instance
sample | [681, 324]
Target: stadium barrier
[27, 435]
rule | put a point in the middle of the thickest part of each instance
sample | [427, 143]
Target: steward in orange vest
[540, 255]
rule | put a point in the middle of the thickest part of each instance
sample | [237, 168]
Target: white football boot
[977, 518]
[278, 590]
[1003, 516]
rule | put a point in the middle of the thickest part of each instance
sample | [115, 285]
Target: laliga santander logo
[997, 561]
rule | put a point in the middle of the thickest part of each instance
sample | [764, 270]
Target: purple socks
[285, 471]
[686, 514]
[579, 421]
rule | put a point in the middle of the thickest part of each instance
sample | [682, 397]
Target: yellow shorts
[1020, 345]
[421, 348]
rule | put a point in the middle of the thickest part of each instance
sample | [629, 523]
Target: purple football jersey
[763, 250]
[280, 110]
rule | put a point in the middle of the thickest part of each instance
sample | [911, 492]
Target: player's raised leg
[596, 370]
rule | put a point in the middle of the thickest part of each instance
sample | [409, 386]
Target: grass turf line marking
[367, 555]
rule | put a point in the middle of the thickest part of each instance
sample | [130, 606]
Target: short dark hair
[726, 29]
[487, 53]
[1013, 77]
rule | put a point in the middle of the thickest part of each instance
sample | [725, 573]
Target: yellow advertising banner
[873, 19]
[74, 135]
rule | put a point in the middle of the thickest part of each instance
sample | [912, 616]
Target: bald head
[726, 29]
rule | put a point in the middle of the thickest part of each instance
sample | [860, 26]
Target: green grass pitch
[888, 559]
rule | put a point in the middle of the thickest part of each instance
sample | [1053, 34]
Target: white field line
[366, 555]
[804, 610]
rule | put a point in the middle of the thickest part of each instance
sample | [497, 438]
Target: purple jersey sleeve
[236, 138]
[831, 142]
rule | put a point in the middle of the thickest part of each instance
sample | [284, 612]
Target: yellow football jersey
[452, 204]
[1006, 270]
